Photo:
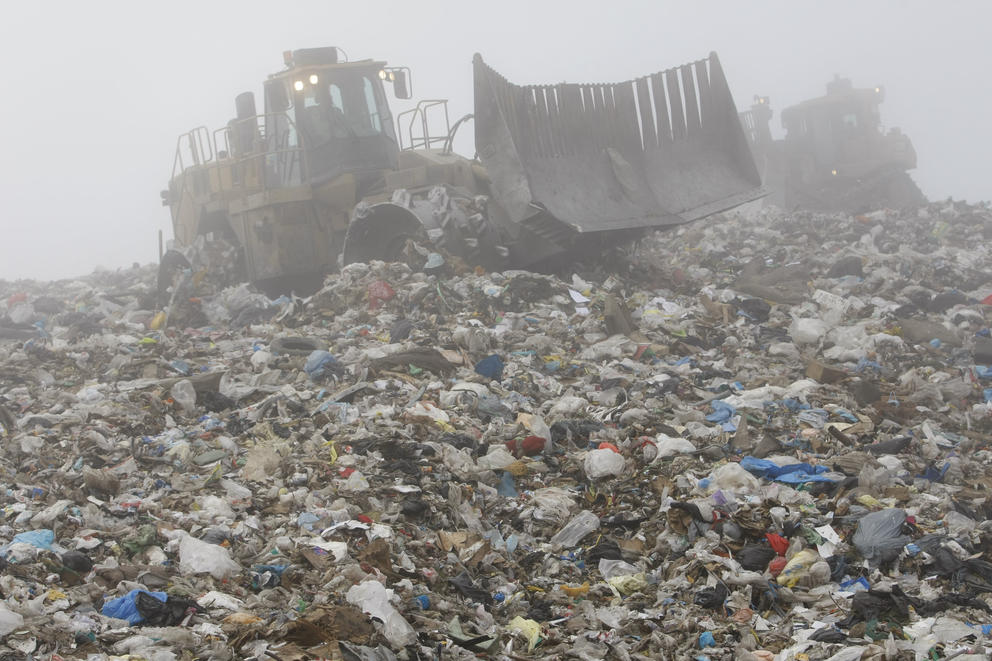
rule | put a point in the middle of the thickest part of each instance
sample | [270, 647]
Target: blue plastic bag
[40, 539]
[321, 364]
[506, 486]
[490, 367]
[722, 411]
[126, 607]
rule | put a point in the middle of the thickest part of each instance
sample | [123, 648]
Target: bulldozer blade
[660, 150]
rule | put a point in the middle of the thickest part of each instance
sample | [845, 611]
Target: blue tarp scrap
[126, 607]
[934, 474]
[864, 364]
[817, 418]
[790, 474]
[845, 415]
[794, 405]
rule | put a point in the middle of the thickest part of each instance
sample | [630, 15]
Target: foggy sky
[96, 93]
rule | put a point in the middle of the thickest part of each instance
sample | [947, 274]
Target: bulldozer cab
[339, 114]
[841, 134]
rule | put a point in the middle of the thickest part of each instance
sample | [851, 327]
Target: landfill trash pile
[756, 437]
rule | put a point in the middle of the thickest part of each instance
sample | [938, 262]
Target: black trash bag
[712, 598]
[77, 562]
[976, 575]
[576, 430]
[400, 330]
[876, 605]
[351, 652]
[467, 587]
[627, 520]
[755, 308]
[216, 402]
[850, 265]
[692, 509]
[216, 536]
[951, 600]
[540, 611]
[607, 549]
[460, 441]
[893, 446]
[791, 528]
[414, 507]
[166, 613]
[829, 635]
[838, 567]
[755, 557]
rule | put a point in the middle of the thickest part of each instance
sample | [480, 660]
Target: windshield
[342, 105]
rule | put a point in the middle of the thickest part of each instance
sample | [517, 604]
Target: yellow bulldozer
[326, 175]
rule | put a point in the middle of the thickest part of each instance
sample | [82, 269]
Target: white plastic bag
[603, 463]
[373, 598]
[581, 525]
[199, 557]
[9, 620]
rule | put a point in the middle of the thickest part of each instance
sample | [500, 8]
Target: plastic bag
[184, 394]
[581, 525]
[808, 331]
[603, 463]
[321, 365]
[373, 598]
[9, 620]
[798, 567]
[490, 367]
[25, 546]
[552, 504]
[669, 446]
[199, 557]
[879, 535]
[529, 628]
[755, 558]
[126, 607]
[732, 477]
[791, 473]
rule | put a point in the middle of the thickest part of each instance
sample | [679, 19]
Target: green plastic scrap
[143, 537]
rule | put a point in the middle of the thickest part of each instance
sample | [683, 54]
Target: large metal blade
[659, 150]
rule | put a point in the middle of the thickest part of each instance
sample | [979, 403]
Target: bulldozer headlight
[833, 172]
[313, 79]
[877, 90]
[383, 74]
[298, 86]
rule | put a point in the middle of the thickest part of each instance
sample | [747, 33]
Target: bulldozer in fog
[326, 175]
[835, 155]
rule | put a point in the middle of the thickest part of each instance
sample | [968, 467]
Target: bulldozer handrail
[425, 140]
[200, 150]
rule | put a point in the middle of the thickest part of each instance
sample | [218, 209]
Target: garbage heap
[761, 436]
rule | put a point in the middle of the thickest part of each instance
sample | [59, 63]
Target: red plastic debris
[379, 292]
[778, 543]
[776, 565]
[529, 446]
